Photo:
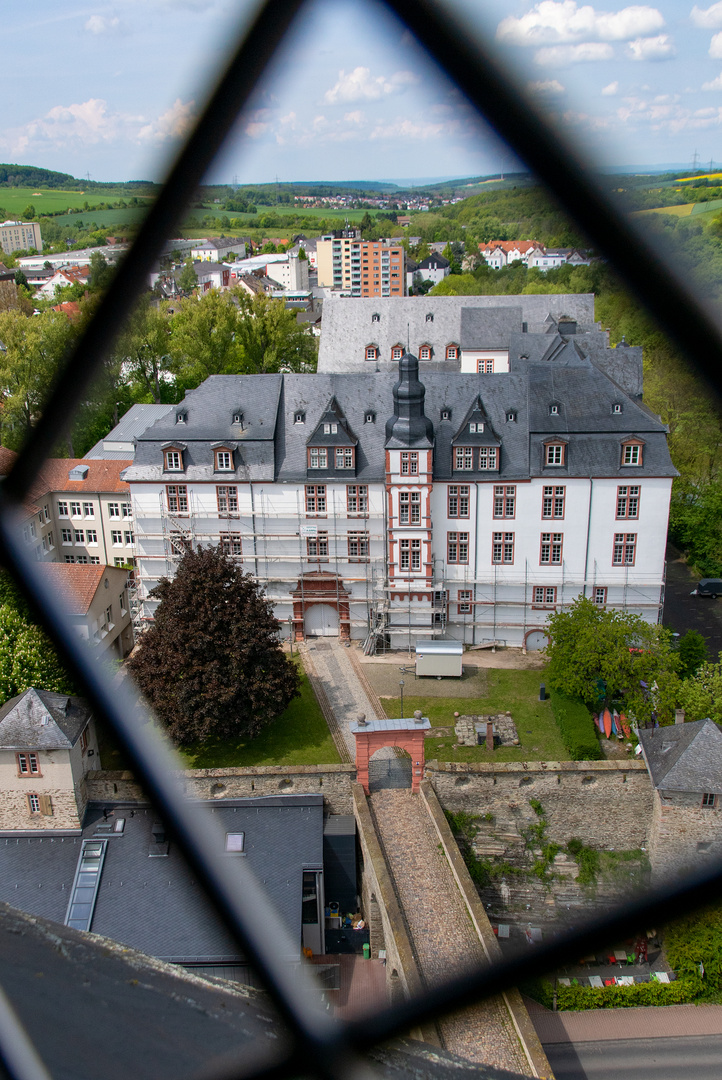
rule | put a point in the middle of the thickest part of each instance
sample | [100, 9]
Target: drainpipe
[476, 565]
[589, 523]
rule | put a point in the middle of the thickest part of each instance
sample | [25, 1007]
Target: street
[698, 1057]
[683, 612]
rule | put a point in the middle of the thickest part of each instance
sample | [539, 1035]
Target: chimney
[679, 716]
[489, 735]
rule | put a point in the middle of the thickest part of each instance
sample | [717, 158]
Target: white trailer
[439, 658]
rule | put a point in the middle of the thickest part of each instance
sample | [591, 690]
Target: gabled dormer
[331, 447]
[475, 447]
[224, 456]
[174, 456]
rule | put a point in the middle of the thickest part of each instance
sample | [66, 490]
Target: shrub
[576, 727]
[578, 998]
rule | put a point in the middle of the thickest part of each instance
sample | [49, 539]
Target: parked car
[708, 586]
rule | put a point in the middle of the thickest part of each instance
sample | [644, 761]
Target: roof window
[238, 418]
[475, 427]
[78, 472]
[446, 414]
[299, 418]
[181, 416]
[554, 410]
[511, 416]
[429, 317]
[370, 418]
[616, 407]
[330, 429]
[375, 317]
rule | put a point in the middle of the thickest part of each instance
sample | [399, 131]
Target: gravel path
[344, 691]
[443, 936]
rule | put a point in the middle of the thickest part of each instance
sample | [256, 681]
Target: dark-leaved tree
[211, 664]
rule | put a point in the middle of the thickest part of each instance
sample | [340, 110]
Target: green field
[49, 201]
[103, 218]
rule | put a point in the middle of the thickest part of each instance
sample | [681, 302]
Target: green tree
[701, 696]
[211, 665]
[692, 649]
[142, 354]
[591, 647]
[271, 338]
[29, 212]
[101, 273]
[187, 279]
[35, 349]
[203, 338]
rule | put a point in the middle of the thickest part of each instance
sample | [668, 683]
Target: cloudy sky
[109, 88]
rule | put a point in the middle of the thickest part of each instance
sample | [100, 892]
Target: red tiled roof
[510, 245]
[7, 460]
[102, 475]
[71, 308]
[75, 584]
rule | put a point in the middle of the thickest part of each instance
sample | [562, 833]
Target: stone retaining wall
[334, 782]
[607, 804]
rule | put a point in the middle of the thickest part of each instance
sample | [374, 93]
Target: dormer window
[555, 454]
[425, 351]
[372, 352]
[238, 418]
[330, 429]
[370, 418]
[452, 352]
[397, 351]
[299, 418]
[173, 460]
[317, 457]
[344, 457]
[375, 317]
[616, 408]
[554, 410]
[476, 428]
[181, 417]
[224, 460]
[429, 317]
[446, 414]
[632, 453]
[511, 417]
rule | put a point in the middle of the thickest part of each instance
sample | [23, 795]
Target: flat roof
[440, 648]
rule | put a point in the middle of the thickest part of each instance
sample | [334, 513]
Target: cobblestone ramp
[443, 936]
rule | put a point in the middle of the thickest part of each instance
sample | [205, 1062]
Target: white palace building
[399, 499]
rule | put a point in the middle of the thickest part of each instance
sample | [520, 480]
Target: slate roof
[489, 328]
[75, 583]
[348, 326]
[40, 719]
[585, 396]
[155, 904]
[684, 757]
[126, 431]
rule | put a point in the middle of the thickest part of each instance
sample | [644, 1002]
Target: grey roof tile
[42, 719]
[684, 757]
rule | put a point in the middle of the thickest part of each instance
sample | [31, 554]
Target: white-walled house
[394, 505]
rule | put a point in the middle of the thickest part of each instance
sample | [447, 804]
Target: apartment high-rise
[361, 267]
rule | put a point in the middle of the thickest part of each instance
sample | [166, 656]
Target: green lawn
[514, 691]
[50, 200]
[299, 736]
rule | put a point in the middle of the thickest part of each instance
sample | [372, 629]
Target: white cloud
[172, 124]
[546, 86]
[360, 85]
[563, 55]
[611, 89]
[715, 84]
[715, 47]
[652, 48]
[103, 24]
[708, 18]
[408, 130]
[562, 21]
[355, 117]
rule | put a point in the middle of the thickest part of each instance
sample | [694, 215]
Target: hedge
[578, 998]
[576, 727]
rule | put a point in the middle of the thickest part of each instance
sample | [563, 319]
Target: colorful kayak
[616, 728]
[625, 726]
[607, 717]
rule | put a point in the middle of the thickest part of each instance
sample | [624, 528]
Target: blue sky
[109, 88]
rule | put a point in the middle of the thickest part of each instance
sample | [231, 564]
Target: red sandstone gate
[372, 735]
[320, 588]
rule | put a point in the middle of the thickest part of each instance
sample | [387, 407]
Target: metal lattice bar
[318, 1046]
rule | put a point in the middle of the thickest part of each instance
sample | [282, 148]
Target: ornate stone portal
[372, 735]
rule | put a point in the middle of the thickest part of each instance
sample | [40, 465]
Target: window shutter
[46, 805]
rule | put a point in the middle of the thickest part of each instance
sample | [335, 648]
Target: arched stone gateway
[321, 607]
[372, 735]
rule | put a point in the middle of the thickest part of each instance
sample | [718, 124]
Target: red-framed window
[457, 547]
[224, 460]
[550, 548]
[316, 499]
[317, 457]
[555, 454]
[28, 764]
[458, 501]
[553, 500]
[371, 352]
[504, 500]
[357, 499]
[463, 606]
[317, 547]
[410, 554]
[463, 457]
[358, 546]
[227, 499]
[485, 367]
[488, 457]
[599, 596]
[397, 351]
[345, 457]
[409, 462]
[177, 498]
[173, 460]
[545, 595]
[625, 549]
[632, 453]
[409, 507]
[502, 547]
[452, 352]
[231, 545]
[425, 352]
[628, 501]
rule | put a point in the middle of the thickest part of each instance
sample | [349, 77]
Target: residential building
[20, 236]
[96, 601]
[218, 249]
[68, 275]
[361, 267]
[47, 746]
[391, 505]
[434, 268]
[291, 273]
[119, 443]
[111, 253]
[498, 253]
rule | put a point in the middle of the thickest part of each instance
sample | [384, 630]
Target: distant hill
[32, 176]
